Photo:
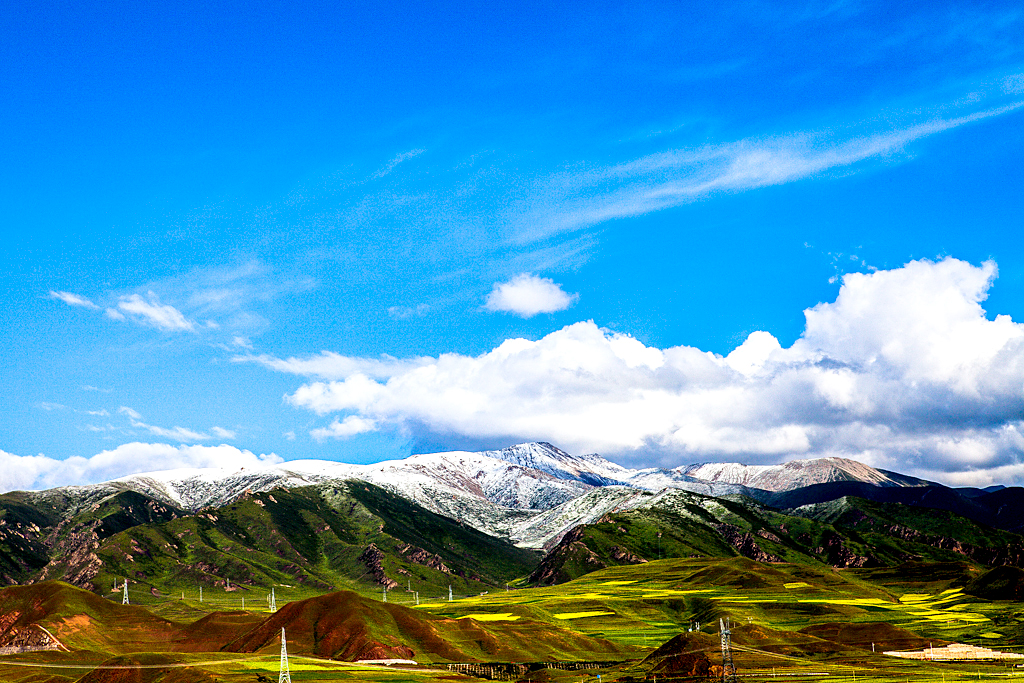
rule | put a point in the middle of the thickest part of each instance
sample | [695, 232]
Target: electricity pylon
[449, 593]
[124, 600]
[728, 668]
[285, 676]
[273, 602]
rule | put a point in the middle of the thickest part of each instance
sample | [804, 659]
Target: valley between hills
[521, 564]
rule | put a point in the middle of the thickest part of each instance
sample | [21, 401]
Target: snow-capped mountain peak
[589, 469]
[796, 474]
[530, 493]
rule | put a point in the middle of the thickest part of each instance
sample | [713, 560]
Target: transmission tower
[124, 600]
[728, 668]
[285, 676]
[273, 607]
[449, 593]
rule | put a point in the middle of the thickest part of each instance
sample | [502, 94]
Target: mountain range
[530, 494]
[479, 520]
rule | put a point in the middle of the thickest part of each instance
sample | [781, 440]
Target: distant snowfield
[530, 493]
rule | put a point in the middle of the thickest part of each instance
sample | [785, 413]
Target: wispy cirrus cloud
[151, 311]
[182, 434]
[330, 365]
[406, 312]
[575, 200]
[72, 299]
[396, 160]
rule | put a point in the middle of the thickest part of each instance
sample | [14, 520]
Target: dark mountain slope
[848, 532]
[935, 497]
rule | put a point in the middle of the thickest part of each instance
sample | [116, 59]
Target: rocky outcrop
[74, 558]
[421, 556]
[372, 557]
[623, 556]
[840, 556]
[570, 550]
[744, 543]
[1012, 554]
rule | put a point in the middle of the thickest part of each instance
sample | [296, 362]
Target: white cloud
[350, 426]
[406, 312]
[330, 365]
[903, 370]
[527, 295]
[38, 472]
[242, 342]
[160, 316]
[182, 434]
[72, 299]
[114, 314]
[573, 200]
[222, 433]
[390, 166]
[133, 414]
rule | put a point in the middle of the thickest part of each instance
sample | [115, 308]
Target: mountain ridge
[529, 493]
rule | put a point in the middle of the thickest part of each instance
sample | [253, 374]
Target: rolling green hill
[844, 533]
[308, 541]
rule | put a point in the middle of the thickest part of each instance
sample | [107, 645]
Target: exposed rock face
[1011, 554]
[421, 556]
[74, 558]
[372, 558]
[625, 557]
[840, 556]
[745, 544]
[571, 549]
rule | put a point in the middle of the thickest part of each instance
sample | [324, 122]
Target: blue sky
[305, 232]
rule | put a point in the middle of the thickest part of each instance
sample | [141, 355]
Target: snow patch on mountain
[529, 493]
[796, 474]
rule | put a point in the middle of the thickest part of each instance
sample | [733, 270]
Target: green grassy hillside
[845, 533]
[304, 542]
[788, 619]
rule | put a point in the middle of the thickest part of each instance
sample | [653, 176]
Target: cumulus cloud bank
[527, 295]
[902, 370]
[36, 472]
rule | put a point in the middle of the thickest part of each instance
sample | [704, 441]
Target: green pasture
[638, 608]
[70, 667]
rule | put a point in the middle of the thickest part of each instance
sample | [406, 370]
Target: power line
[728, 667]
[284, 676]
